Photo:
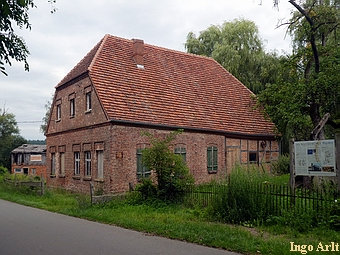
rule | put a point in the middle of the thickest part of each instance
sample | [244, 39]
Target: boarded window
[35, 157]
[100, 164]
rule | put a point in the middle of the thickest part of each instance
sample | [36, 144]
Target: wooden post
[337, 156]
[292, 171]
[91, 192]
[42, 185]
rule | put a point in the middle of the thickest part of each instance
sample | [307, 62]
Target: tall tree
[298, 103]
[237, 46]
[13, 46]
[9, 137]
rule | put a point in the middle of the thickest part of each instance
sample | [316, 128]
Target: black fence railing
[278, 198]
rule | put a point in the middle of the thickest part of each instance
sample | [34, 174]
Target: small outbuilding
[29, 159]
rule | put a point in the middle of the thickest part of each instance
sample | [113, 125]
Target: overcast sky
[57, 42]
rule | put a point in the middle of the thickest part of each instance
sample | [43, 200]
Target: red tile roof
[174, 89]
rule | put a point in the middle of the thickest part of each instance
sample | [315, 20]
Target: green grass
[173, 221]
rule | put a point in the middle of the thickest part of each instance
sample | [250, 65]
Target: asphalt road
[29, 231]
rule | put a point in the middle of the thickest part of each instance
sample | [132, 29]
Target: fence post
[91, 191]
[337, 153]
[42, 185]
[292, 171]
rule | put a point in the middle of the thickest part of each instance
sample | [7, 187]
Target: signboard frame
[315, 158]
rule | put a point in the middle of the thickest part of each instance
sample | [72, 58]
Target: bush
[241, 201]
[147, 189]
[172, 173]
[281, 166]
[334, 218]
[3, 170]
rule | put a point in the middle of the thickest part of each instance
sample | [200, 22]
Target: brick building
[29, 159]
[122, 88]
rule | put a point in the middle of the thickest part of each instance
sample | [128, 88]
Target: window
[17, 170]
[212, 159]
[25, 169]
[87, 163]
[88, 101]
[62, 164]
[53, 163]
[100, 164]
[58, 112]
[252, 157]
[33, 171]
[72, 108]
[76, 163]
[142, 171]
[182, 152]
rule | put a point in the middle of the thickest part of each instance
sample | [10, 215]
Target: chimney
[138, 52]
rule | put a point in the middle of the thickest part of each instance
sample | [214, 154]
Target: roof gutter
[236, 135]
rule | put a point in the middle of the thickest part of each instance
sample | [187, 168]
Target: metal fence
[279, 198]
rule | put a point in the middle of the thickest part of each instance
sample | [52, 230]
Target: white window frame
[87, 163]
[76, 163]
[88, 101]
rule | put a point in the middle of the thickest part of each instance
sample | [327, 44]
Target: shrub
[3, 170]
[281, 166]
[172, 173]
[147, 189]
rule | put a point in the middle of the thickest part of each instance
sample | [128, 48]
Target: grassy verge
[176, 222]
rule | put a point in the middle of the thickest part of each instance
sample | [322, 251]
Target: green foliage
[237, 46]
[334, 218]
[281, 166]
[9, 137]
[147, 189]
[308, 85]
[240, 201]
[13, 46]
[172, 174]
[3, 170]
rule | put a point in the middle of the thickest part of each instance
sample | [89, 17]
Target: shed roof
[30, 148]
[170, 88]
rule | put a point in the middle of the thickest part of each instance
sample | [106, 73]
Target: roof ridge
[70, 75]
[101, 42]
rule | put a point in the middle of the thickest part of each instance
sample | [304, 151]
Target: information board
[315, 158]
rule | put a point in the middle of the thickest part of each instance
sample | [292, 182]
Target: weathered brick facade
[102, 107]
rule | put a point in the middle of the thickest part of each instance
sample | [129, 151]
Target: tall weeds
[241, 201]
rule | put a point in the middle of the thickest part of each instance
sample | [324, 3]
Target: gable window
[252, 157]
[88, 101]
[100, 164]
[182, 152]
[142, 171]
[212, 165]
[77, 163]
[58, 117]
[87, 163]
[72, 108]
[53, 164]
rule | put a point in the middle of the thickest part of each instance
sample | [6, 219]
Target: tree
[308, 86]
[9, 137]
[12, 46]
[43, 127]
[172, 174]
[237, 46]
